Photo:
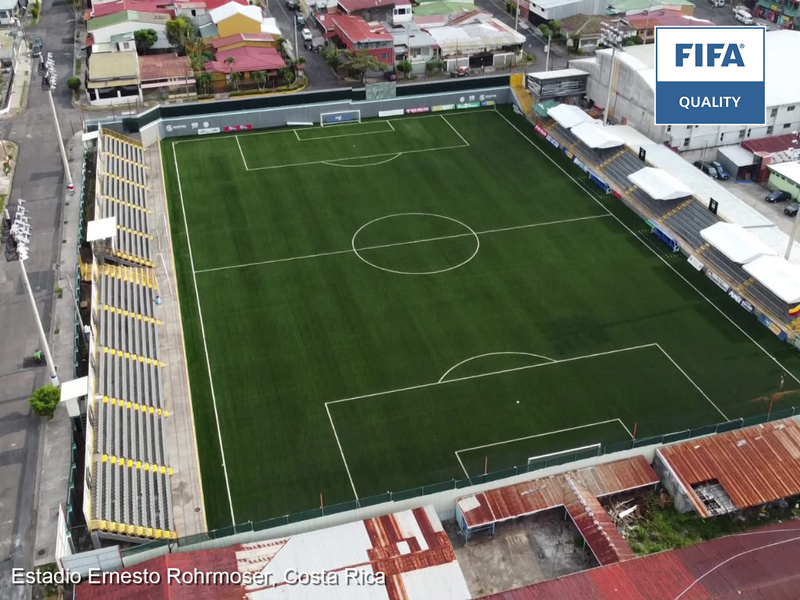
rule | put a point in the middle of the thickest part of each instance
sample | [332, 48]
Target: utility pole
[612, 36]
[50, 81]
[19, 240]
[547, 57]
[795, 154]
[516, 20]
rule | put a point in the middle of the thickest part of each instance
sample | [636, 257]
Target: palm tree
[235, 79]
[260, 78]
[230, 61]
[282, 46]
[204, 81]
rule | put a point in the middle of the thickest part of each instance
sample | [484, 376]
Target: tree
[545, 31]
[405, 67]
[333, 57]
[145, 38]
[282, 46]
[555, 26]
[74, 83]
[179, 30]
[45, 400]
[360, 62]
[235, 78]
[260, 78]
[286, 75]
[204, 81]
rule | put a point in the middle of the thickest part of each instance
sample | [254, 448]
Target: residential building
[784, 13]
[443, 7]
[355, 34]
[241, 40]
[583, 32]
[8, 10]
[786, 176]
[166, 76]
[770, 151]
[102, 29]
[194, 9]
[645, 23]
[393, 11]
[115, 6]
[633, 85]
[633, 7]
[113, 78]
[246, 61]
[413, 44]
[540, 11]
[230, 19]
[474, 39]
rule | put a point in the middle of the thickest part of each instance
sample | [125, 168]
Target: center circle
[465, 231]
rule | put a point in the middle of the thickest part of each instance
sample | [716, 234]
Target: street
[39, 180]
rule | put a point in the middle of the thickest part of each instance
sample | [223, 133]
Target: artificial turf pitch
[392, 304]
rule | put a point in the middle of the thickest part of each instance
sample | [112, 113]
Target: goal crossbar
[339, 117]
[563, 452]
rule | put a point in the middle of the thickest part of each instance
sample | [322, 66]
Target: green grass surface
[320, 355]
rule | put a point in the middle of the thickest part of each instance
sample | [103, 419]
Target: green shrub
[74, 83]
[45, 400]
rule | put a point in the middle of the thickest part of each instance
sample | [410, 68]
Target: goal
[338, 118]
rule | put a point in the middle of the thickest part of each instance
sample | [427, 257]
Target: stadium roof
[735, 242]
[568, 115]
[577, 491]
[596, 136]
[778, 275]
[659, 184]
[754, 465]
[410, 547]
[757, 565]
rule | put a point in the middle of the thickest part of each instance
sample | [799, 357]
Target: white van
[743, 16]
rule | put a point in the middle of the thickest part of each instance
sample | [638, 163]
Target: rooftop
[357, 5]
[441, 8]
[586, 24]
[110, 8]
[789, 169]
[113, 68]
[773, 144]
[164, 66]
[242, 37]
[759, 564]
[472, 32]
[666, 18]
[246, 59]
[357, 29]
[226, 11]
[753, 466]
[123, 16]
[630, 7]
[411, 547]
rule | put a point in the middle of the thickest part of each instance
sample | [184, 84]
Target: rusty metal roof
[760, 564]
[754, 465]
[513, 501]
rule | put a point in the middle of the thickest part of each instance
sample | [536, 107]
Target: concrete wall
[309, 113]
[670, 482]
[781, 183]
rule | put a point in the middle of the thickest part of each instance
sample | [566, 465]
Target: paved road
[39, 180]
[319, 74]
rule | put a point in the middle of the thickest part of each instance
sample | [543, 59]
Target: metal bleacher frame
[682, 219]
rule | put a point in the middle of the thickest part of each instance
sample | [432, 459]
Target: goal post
[568, 455]
[340, 117]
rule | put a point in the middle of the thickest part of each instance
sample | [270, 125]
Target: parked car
[743, 16]
[792, 209]
[36, 48]
[721, 172]
[778, 196]
[300, 21]
[306, 33]
[460, 72]
[706, 168]
[292, 4]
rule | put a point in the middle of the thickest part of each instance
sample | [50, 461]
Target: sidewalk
[20, 86]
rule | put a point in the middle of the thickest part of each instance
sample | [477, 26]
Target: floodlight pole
[42, 337]
[612, 36]
[52, 80]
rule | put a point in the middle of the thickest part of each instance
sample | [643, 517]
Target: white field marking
[677, 366]
[416, 214]
[374, 164]
[211, 138]
[734, 557]
[463, 468]
[490, 374]
[330, 160]
[379, 246]
[297, 135]
[455, 366]
[344, 460]
[242, 153]
[333, 137]
[537, 435]
[203, 333]
[661, 258]
[456, 130]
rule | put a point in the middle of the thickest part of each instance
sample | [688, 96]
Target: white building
[561, 9]
[103, 29]
[633, 95]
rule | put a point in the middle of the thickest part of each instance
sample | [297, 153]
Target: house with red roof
[393, 11]
[355, 34]
[247, 61]
[115, 6]
[645, 24]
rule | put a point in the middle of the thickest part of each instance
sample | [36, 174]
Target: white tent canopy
[735, 242]
[596, 136]
[659, 184]
[778, 275]
[568, 115]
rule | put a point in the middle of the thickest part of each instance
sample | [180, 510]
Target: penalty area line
[341, 452]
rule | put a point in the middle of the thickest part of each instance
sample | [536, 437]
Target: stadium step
[677, 209]
[607, 162]
[136, 464]
[703, 248]
[131, 315]
[135, 406]
[748, 282]
[137, 275]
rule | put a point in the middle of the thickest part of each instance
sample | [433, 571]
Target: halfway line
[422, 241]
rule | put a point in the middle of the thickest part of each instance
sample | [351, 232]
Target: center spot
[415, 243]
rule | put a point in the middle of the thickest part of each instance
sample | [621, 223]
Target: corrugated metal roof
[760, 564]
[522, 499]
[773, 144]
[754, 465]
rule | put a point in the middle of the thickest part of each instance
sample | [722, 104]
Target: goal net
[338, 118]
[569, 455]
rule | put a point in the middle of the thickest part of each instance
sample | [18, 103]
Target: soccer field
[383, 305]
